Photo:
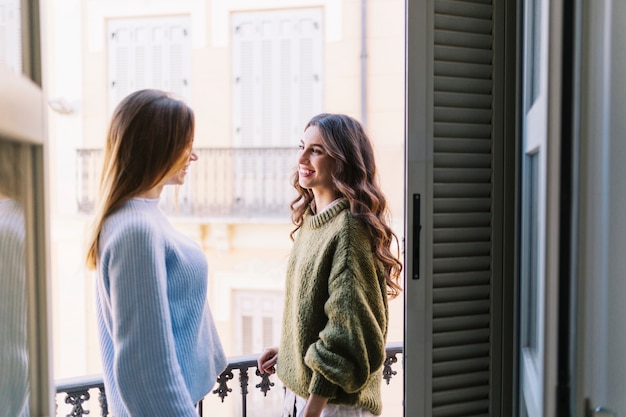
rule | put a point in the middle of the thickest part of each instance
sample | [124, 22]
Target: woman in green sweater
[339, 275]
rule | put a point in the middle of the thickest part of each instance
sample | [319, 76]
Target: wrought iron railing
[223, 183]
[76, 392]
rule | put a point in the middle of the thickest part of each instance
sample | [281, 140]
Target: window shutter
[247, 337]
[277, 75]
[120, 65]
[149, 53]
[11, 35]
[257, 317]
[462, 209]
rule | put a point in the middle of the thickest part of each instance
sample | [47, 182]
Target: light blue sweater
[160, 349]
[13, 344]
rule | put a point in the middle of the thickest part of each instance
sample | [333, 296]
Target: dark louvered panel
[455, 382]
[449, 145]
[470, 205]
[462, 100]
[469, 40]
[452, 353]
[463, 55]
[469, 249]
[463, 190]
[462, 160]
[453, 76]
[462, 115]
[460, 219]
[462, 279]
[479, 9]
[461, 130]
[448, 81]
[462, 201]
[449, 325]
[462, 175]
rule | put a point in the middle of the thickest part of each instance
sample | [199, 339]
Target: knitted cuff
[322, 387]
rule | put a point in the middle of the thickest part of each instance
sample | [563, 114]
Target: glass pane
[524, 410]
[532, 55]
[529, 271]
[13, 313]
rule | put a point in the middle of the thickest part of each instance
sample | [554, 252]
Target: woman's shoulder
[351, 225]
[131, 220]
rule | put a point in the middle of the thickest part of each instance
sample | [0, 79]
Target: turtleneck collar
[317, 220]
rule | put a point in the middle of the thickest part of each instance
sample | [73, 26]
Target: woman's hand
[267, 361]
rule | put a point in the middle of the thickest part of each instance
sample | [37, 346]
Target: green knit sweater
[336, 313]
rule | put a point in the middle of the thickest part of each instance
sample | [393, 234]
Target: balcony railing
[76, 392]
[223, 183]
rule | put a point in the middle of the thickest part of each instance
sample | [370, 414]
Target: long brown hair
[149, 139]
[354, 177]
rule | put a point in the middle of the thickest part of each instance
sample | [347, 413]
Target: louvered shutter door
[277, 75]
[308, 50]
[257, 316]
[149, 53]
[178, 64]
[462, 208]
[119, 65]
[244, 80]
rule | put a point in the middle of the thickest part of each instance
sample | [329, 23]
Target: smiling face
[315, 166]
[179, 177]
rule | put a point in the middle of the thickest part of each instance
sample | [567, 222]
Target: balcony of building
[225, 184]
[233, 393]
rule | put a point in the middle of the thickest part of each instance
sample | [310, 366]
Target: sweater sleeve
[146, 368]
[13, 345]
[351, 346]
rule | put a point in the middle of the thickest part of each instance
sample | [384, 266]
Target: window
[277, 75]
[529, 267]
[149, 53]
[257, 321]
[532, 53]
[257, 318]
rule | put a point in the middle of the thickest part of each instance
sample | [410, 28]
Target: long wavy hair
[149, 139]
[354, 177]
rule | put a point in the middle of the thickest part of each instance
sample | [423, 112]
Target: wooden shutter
[11, 35]
[149, 53]
[277, 75]
[257, 317]
[463, 277]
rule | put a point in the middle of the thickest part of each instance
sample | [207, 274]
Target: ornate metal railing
[78, 391]
[223, 183]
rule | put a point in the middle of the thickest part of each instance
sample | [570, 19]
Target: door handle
[417, 227]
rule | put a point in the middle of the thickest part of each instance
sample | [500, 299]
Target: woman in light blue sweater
[339, 274]
[160, 349]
